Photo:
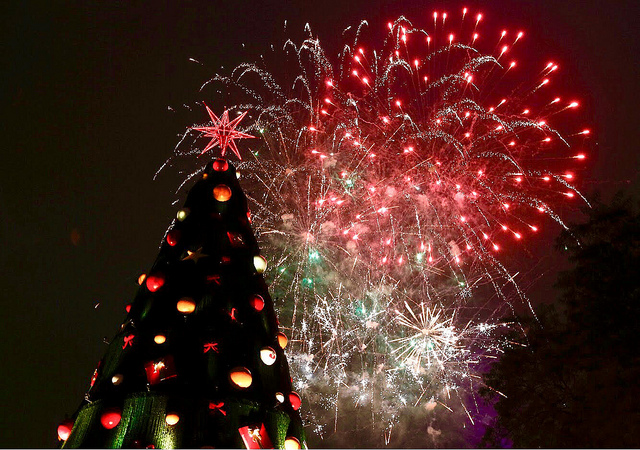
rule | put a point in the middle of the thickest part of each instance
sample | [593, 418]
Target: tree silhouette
[572, 381]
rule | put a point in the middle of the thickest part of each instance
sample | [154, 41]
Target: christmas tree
[198, 361]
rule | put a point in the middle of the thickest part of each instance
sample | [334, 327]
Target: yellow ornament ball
[160, 339]
[117, 379]
[260, 263]
[182, 214]
[186, 305]
[268, 356]
[172, 419]
[291, 443]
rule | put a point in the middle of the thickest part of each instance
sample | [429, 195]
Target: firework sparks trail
[384, 190]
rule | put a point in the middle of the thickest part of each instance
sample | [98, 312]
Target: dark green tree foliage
[198, 343]
[573, 380]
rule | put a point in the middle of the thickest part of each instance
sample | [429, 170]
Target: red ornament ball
[64, 429]
[173, 237]
[110, 418]
[295, 401]
[155, 282]
[257, 302]
[128, 308]
[220, 165]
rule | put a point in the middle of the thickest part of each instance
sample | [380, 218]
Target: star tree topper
[223, 132]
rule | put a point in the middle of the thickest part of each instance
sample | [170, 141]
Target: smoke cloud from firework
[387, 185]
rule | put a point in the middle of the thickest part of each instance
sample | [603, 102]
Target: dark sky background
[85, 126]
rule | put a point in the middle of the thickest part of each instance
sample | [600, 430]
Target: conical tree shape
[199, 360]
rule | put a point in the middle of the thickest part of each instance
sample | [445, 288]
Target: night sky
[86, 86]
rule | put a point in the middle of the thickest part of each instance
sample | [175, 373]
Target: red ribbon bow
[214, 279]
[127, 341]
[211, 346]
[217, 407]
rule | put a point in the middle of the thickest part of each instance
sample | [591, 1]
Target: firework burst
[384, 190]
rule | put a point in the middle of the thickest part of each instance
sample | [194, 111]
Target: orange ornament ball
[110, 418]
[220, 165]
[282, 340]
[222, 192]
[141, 278]
[64, 429]
[241, 377]
[186, 305]
[160, 339]
[257, 302]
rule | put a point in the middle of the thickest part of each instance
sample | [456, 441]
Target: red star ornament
[223, 132]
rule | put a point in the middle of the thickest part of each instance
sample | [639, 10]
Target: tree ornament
[268, 356]
[255, 437]
[211, 347]
[260, 263]
[117, 379]
[141, 278]
[295, 401]
[64, 429]
[186, 305]
[220, 165]
[280, 397]
[223, 132]
[282, 339]
[222, 192]
[257, 302]
[291, 443]
[128, 308]
[160, 339]
[241, 377]
[172, 419]
[182, 214]
[155, 282]
[94, 377]
[173, 237]
[194, 256]
[127, 341]
[217, 407]
[160, 370]
[110, 418]
[235, 239]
